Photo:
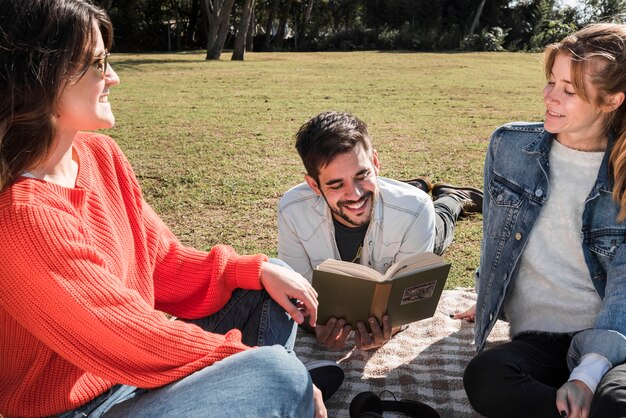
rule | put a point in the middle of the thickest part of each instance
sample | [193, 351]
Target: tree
[602, 10]
[282, 25]
[192, 24]
[550, 27]
[240, 40]
[216, 18]
[270, 24]
[479, 11]
[301, 40]
[139, 25]
[251, 31]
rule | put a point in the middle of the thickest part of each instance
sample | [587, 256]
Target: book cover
[409, 291]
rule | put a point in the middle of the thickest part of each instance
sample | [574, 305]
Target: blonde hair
[599, 51]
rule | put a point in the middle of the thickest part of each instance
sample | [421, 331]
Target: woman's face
[84, 104]
[575, 122]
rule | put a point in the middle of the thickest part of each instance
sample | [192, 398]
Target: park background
[212, 140]
[349, 25]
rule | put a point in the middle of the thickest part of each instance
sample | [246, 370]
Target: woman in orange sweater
[87, 268]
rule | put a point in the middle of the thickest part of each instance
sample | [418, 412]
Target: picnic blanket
[424, 362]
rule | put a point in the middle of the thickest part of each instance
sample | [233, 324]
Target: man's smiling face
[349, 184]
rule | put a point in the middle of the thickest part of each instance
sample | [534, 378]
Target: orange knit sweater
[84, 274]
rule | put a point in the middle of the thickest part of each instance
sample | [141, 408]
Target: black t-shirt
[349, 241]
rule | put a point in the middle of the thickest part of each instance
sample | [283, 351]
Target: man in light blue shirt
[344, 210]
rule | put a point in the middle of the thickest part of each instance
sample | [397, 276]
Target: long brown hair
[599, 51]
[44, 44]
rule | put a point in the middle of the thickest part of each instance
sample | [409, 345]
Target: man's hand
[334, 334]
[469, 315]
[574, 398]
[318, 403]
[283, 284]
[379, 336]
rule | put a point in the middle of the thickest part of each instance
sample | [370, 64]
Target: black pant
[520, 379]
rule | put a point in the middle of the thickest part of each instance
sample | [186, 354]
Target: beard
[339, 212]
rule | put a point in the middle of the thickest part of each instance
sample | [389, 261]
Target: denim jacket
[517, 184]
[403, 223]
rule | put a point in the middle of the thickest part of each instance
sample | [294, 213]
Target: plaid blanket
[424, 362]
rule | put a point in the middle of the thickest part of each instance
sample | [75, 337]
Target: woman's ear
[614, 101]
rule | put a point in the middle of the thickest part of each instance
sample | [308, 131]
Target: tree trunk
[175, 11]
[216, 17]
[301, 34]
[239, 48]
[270, 24]
[479, 11]
[222, 33]
[251, 32]
[309, 9]
[282, 26]
[191, 26]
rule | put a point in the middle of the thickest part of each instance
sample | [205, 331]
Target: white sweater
[552, 290]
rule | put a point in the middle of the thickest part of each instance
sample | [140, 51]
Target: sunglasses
[102, 63]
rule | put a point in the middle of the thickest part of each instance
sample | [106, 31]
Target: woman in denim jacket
[553, 259]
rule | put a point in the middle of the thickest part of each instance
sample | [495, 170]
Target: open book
[407, 292]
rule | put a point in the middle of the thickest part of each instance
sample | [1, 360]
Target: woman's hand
[469, 315]
[283, 285]
[574, 398]
[318, 403]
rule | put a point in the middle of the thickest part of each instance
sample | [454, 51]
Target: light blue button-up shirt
[403, 224]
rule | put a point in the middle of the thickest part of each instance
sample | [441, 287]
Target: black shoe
[471, 199]
[326, 375]
[422, 183]
[367, 404]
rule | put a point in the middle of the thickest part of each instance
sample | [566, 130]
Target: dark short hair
[44, 45]
[325, 136]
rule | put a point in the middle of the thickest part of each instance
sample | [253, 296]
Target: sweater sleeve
[188, 283]
[58, 287]
[193, 284]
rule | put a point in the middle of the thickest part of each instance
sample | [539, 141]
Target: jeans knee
[286, 375]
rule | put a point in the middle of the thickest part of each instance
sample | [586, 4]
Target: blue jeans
[268, 381]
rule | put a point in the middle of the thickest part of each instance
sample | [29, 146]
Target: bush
[550, 32]
[489, 39]
[388, 39]
[350, 39]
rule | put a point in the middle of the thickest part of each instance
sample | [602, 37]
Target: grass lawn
[212, 142]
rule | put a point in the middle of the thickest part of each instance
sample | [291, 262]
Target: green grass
[212, 142]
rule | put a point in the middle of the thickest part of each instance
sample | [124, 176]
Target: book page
[350, 269]
[413, 263]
